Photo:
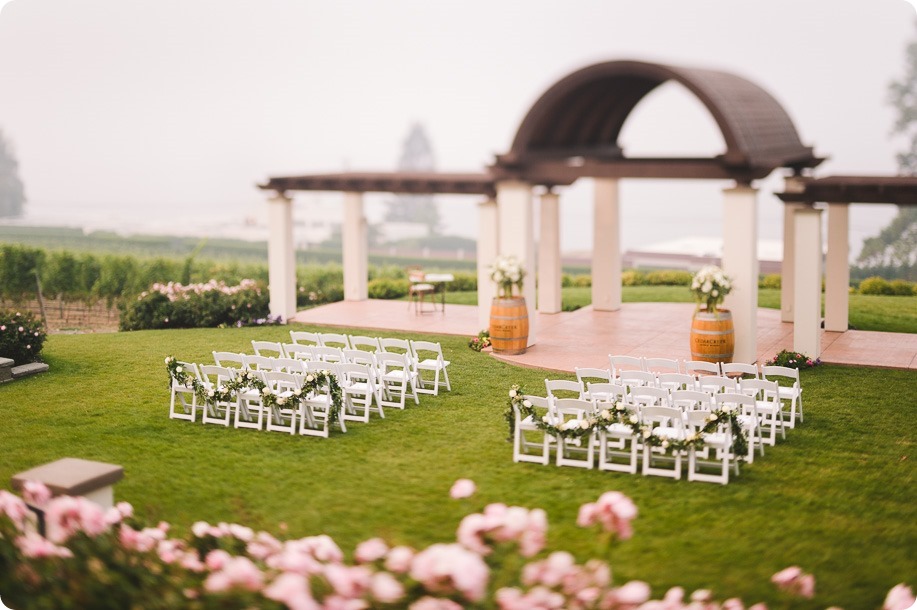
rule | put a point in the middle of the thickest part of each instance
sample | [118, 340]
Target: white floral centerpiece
[710, 287]
[507, 273]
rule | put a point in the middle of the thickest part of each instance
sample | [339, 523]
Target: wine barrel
[509, 325]
[712, 336]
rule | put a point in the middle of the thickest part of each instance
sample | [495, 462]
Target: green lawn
[837, 497]
[867, 312]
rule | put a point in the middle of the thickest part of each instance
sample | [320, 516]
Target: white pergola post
[740, 262]
[837, 268]
[356, 248]
[281, 257]
[792, 184]
[488, 248]
[549, 268]
[807, 282]
[606, 246]
[516, 228]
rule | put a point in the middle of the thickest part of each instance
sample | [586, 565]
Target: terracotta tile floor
[585, 337]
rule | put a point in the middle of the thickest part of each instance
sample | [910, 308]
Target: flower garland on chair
[246, 380]
[620, 413]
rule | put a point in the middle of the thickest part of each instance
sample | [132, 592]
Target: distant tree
[12, 194]
[893, 252]
[416, 156]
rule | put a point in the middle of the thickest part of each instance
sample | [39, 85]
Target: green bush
[875, 285]
[902, 288]
[582, 281]
[668, 278]
[197, 306]
[384, 288]
[319, 284]
[21, 336]
[464, 281]
[772, 280]
[631, 278]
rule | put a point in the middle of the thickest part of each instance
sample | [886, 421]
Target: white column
[281, 258]
[488, 248]
[549, 268]
[807, 282]
[606, 246]
[791, 184]
[740, 262]
[837, 268]
[516, 230]
[356, 250]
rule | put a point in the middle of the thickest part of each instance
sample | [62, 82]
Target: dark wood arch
[572, 130]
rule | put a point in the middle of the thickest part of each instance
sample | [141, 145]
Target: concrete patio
[585, 337]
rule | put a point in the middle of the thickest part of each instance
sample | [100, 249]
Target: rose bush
[21, 336]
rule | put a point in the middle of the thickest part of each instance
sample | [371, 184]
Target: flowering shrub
[793, 360]
[507, 273]
[93, 558]
[21, 336]
[211, 304]
[481, 341]
[710, 287]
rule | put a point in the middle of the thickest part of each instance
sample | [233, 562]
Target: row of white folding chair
[423, 355]
[246, 409]
[618, 441]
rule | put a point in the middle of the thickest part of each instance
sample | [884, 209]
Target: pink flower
[551, 571]
[448, 568]
[66, 516]
[501, 523]
[509, 598]
[36, 493]
[236, 572]
[385, 588]
[292, 590]
[634, 593]
[398, 559]
[613, 510]
[793, 580]
[33, 545]
[463, 488]
[13, 507]
[434, 603]
[371, 550]
[348, 582]
[900, 597]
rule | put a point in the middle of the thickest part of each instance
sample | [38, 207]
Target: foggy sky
[171, 105]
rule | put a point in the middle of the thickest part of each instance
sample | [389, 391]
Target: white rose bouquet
[507, 273]
[710, 287]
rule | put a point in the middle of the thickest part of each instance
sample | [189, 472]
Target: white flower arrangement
[507, 273]
[710, 287]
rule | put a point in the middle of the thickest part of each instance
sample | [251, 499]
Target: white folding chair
[661, 365]
[327, 354]
[739, 369]
[617, 440]
[398, 379]
[570, 412]
[183, 396]
[770, 407]
[394, 345]
[624, 363]
[691, 400]
[289, 365]
[713, 449]
[563, 388]
[358, 387]
[301, 337]
[666, 423]
[586, 375]
[604, 393]
[282, 418]
[428, 356]
[299, 352]
[356, 356]
[362, 342]
[636, 379]
[315, 416]
[676, 381]
[214, 378]
[747, 409]
[716, 384]
[701, 367]
[338, 340]
[228, 359]
[272, 349]
[643, 396]
[526, 427]
[792, 393]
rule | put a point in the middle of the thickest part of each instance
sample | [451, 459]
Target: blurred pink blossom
[66, 516]
[434, 603]
[236, 572]
[385, 588]
[446, 568]
[900, 597]
[371, 550]
[399, 559]
[292, 590]
[36, 493]
[501, 523]
[793, 580]
[36, 546]
[613, 510]
[463, 488]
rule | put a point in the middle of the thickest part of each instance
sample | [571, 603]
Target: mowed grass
[867, 312]
[837, 497]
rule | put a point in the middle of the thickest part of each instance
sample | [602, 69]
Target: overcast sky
[151, 107]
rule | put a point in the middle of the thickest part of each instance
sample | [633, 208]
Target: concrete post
[356, 249]
[549, 268]
[837, 268]
[792, 184]
[516, 230]
[606, 246]
[488, 248]
[740, 262]
[281, 257]
[807, 282]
